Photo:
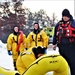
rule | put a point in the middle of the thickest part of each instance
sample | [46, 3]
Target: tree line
[22, 17]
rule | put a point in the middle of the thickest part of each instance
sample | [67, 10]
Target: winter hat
[36, 31]
[38, 50]
[14, 27]
[17, 74]
[15, 33]
[37, 24]
[66, 12]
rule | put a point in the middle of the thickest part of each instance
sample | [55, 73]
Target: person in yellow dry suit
[16, 43]
[35, 62]
[27, 57]
[37, 38]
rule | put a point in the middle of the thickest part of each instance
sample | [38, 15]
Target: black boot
[15, 66]
[17, 74]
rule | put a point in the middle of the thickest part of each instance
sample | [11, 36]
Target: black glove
[9, 53]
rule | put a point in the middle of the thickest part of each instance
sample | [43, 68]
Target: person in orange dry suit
[16, 43]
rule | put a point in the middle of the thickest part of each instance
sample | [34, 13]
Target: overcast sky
[50, 6]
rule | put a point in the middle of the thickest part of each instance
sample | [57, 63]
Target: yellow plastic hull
[44, 64]
[4, 71]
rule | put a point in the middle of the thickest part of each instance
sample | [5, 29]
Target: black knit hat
[17, 74]
[15, 26]
[37, 24]
[15, 33]
[38, 50]
[66, 12]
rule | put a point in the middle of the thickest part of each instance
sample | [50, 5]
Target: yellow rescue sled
[4, 71]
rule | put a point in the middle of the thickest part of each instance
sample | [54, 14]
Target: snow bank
[5, 59]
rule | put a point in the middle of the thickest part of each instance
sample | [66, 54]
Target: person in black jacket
[64, 38]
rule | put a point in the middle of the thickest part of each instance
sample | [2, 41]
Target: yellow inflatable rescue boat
[4, 71]
[47, 63]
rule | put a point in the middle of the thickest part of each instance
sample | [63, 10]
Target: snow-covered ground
[6, 60]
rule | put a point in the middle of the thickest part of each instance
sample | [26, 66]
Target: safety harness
[35, 40]
[66, 30]
[20, 40]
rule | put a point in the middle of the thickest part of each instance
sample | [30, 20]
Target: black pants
[68, 52]
[15, 66]
[14, 62]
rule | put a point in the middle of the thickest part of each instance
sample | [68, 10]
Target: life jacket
[66, 30]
